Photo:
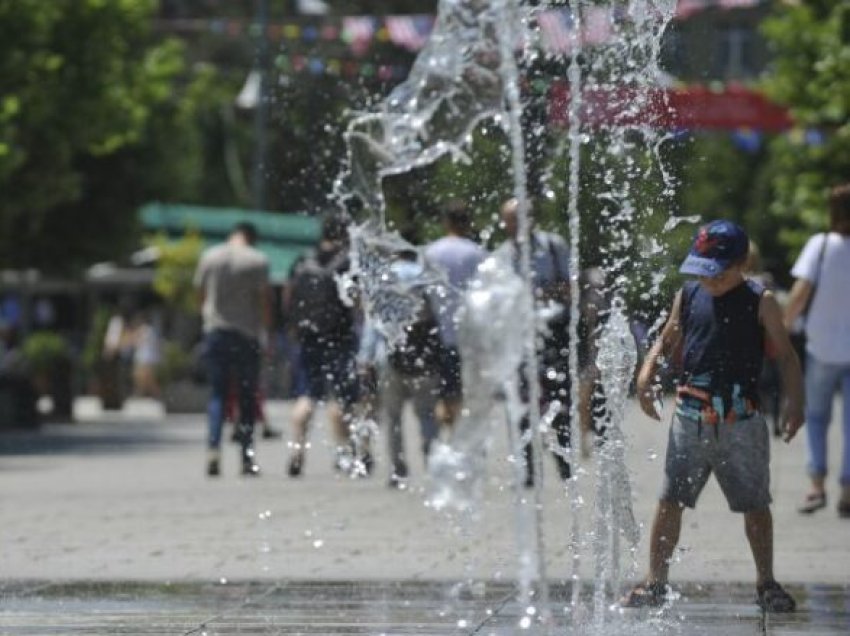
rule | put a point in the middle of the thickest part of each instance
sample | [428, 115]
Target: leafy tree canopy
[83, 85]
[811, 75]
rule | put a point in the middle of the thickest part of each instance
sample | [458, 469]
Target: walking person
[325, 329]
[550, 262]
[409, 371]
[233, 283]
[717, 325]
[458, 257]
[147, 355]
[823, 287]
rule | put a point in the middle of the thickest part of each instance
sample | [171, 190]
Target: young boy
[716, 328]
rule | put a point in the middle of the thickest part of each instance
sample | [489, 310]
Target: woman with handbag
[821, 294]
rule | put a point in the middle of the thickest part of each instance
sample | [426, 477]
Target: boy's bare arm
[789, 366]
[668, 342]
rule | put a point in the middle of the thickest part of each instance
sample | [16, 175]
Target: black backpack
[315, 306]
[419, 352]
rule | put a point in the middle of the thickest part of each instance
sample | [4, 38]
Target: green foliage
[43, 350]
[93, 347]
[175, 269]
[811, 75]
[176, 363]
[96, 117]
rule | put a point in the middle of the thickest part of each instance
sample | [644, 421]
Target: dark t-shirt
[723, 339]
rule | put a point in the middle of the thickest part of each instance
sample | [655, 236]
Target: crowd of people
[345, 361]
[720, 328]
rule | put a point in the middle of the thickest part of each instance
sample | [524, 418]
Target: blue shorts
[738, 454]
[451, 387]
[331, 368]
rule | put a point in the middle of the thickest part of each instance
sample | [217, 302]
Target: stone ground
[110, 526]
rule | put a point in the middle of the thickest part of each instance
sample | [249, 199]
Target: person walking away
[550, 262]
[458, 257]
[410, 372]
[233, 283]
[717, 325]
[325, 328]
[593, 405]
[822, 285]
[147, 355]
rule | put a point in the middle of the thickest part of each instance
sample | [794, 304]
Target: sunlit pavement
[118, 498]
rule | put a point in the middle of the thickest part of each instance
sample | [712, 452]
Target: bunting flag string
[337, 67]
[411, 32]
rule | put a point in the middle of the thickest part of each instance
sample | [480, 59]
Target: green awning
[282, 237]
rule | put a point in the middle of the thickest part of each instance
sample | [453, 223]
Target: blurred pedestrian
[718, 323]
[821, 292]
[550, 263]
[458, 257]
[407, 372]
[232, 416]
[233, 283]
[325, 328]
[147, 355]
[593, 313]
[117, 357]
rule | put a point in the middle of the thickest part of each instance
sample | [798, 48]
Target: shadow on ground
[88, 438]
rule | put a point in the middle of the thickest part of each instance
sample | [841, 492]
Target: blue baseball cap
[716, 246]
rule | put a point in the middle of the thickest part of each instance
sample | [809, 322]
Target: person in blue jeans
[822, 285]
[233, 284]
[716, 329]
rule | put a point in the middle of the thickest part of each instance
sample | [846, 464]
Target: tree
[95, 117]
[810, 75]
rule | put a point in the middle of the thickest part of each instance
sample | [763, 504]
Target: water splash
[615, 520]
[491, 348]
[467, 73]
[454, 84]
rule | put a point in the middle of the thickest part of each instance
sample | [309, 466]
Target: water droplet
[318, 543]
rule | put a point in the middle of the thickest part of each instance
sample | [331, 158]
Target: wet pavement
[108, 526]
[387, 608]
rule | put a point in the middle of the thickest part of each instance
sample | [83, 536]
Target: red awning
[675, 108]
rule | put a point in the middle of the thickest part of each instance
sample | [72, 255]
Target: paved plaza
[109, 524]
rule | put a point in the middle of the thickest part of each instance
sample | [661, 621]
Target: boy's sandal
[813, 502]
[645, 595]
[772, 597]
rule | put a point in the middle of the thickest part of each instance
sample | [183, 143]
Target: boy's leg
[759, 528]
[686, 470]
[771, 596]
[666, 527]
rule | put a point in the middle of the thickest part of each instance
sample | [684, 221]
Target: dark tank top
[723, 340]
